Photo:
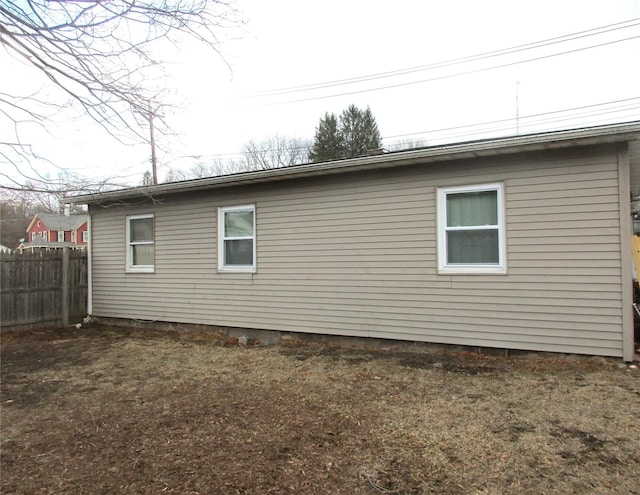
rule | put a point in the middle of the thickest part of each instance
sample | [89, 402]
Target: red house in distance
[52, 231]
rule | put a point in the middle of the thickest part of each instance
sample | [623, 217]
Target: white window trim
[235, 268]
[85, 236]
[60, 237]
[74, 236]
[443, 267]
[131, 268]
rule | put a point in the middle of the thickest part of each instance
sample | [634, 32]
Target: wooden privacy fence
[42, 288]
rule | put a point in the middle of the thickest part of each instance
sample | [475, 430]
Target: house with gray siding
[519, 242]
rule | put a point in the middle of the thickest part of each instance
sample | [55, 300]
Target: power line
[458, 61]
[535, 115]
[449, 76]
[530, 121]
[549, 125]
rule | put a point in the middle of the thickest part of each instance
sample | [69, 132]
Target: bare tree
[14, 219]
[147, 179]
[49, 192]
[276, 151]
[96, 56]
[407, 144]
[203, 169]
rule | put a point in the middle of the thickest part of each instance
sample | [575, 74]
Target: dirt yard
[113, 411]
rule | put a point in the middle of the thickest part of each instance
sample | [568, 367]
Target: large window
[140, 243]
[471, 233]
[237, 239]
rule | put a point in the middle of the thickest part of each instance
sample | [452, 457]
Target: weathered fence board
[35, 290]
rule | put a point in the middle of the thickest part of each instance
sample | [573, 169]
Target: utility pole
[154, 166]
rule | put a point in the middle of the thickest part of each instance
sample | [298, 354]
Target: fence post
[65, 286]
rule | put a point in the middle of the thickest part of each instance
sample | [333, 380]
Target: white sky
[289, 43]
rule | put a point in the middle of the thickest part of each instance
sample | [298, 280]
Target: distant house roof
[54, 221]
[612, 133]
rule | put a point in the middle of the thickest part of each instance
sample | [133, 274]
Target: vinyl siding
[355, 254]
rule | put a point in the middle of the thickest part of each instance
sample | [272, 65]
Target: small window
[60, 235]
[74, 236]
[45, 236]
[140, 243]
[471, 233]
[33, 236]
[237, 239]
[85, 236]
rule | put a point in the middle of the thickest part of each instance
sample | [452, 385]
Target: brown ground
[112, 411]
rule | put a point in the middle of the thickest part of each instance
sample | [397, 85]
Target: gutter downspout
[89, 267]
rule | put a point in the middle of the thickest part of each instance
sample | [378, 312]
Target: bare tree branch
[101, 58]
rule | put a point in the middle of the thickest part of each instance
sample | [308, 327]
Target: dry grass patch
[115, 411]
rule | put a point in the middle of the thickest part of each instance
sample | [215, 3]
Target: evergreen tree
[355, 133]
[359, 132]
[327, 143]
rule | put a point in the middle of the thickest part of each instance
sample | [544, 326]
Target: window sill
[141, 269]
[234, 269]
[472, 270]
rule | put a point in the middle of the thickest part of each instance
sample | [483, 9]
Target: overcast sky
[288, 48]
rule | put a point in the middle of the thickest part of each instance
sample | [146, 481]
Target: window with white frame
[237, 238]
[74, 236]
[471, 229]
[60, 235]
[85, 236]
[140, 243]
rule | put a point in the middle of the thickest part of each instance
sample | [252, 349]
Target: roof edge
[604, 134]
